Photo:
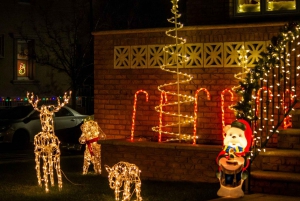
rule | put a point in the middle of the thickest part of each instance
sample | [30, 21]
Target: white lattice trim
[207, 55]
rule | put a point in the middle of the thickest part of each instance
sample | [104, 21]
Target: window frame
[263, 10]
[31, 62]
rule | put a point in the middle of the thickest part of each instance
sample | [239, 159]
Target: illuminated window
[248, 6]
[24, 65]
[265, 7]
[278, 5]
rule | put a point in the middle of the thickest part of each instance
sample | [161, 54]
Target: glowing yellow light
[91, 133]
[124, 174]
[177, 59]
[22, 69]
[46, 143]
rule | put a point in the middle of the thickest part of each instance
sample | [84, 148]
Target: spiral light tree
[46, 143]
[177, 59]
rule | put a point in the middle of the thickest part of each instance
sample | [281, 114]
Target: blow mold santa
[233, 160]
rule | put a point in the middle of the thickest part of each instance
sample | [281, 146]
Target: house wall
[115, 87]
[163, 162]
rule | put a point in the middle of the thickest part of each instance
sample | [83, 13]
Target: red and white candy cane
[134, 110]
[196, 110]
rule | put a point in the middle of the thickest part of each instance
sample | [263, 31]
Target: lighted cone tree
[176, 60]
[46, 143]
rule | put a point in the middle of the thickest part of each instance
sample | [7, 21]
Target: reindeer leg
[86, 162]
[37, 167]
[56, 157]
[45, 171]
[50, 162]
[97, 160]
[117, 191]
[138, 190]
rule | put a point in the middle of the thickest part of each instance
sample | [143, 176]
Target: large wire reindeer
[46, 143]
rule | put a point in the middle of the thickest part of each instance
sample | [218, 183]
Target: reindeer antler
[66, 99]
[33, 102]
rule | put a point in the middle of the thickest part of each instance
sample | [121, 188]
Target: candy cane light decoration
[222, 105]
[258, 99]
[196, 110]
[134, 111]
[286, 121]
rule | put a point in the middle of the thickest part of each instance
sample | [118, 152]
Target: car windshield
[16, 112]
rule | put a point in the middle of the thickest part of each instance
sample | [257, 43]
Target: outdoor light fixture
[91, 133]
[46, 143]
[126, 175]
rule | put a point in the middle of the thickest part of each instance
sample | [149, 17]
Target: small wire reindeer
[91, 133]
[46, 143]
[127, 175]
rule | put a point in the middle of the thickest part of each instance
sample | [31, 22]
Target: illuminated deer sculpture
[124, 175]
[46, 143]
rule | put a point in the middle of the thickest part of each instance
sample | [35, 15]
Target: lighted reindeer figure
[46, 142]
[126, 174]
[91, 133]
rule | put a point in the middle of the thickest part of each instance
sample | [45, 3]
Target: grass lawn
[18, 182]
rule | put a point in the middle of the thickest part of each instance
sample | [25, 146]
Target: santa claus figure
[233, 160]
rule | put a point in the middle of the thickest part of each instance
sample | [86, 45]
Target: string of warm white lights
[196, 110]
[91, 133]
[134, 110]
[178, 59]
[125, 174]
[46, 143]
[276, 72]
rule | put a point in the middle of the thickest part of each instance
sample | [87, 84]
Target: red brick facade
[114, 89]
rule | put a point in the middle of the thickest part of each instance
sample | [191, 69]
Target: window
[24, 64]
[262, 7]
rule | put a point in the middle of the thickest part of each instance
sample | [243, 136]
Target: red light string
[196, 110]
[134, 111]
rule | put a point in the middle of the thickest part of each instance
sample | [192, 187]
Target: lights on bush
[126, 175]
[46, 143]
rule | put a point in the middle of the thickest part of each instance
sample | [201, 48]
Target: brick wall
[163, 161]
[115, 88]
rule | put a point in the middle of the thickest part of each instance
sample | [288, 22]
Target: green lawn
[18, 182]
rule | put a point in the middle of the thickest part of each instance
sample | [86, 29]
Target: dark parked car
[20, 124]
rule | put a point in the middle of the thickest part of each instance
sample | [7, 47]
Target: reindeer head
[49, 108]
[47, 111]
